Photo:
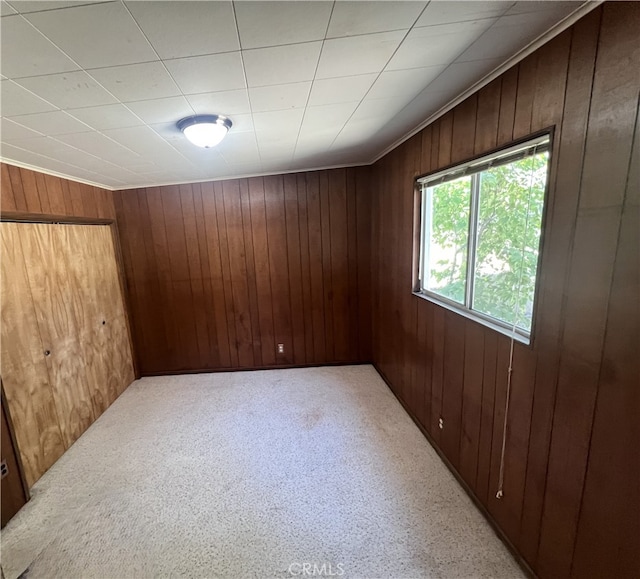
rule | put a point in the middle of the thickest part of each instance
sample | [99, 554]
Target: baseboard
[252, 368]
[485, 512]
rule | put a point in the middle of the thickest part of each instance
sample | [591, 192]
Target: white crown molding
[244, 176]
[167, 184]
[554, 31]
[55, 173]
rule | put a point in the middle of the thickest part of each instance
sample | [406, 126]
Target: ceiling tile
[162, 110]
[68, 89]
[340, 90]
[279, 96]
[511, 33]
[136, 82]
[95, 36]
[327, 118]
[357, 54]
[98, 145]
[281, 64]
[461, 76]
[264, 24]
[106, 117]
[143, 141]
[52, 123]
[234, 147]
[15, 100]
[26, 6]
[228, 102]
[445, 11]
[168, 131]
[353, 18]
[178, 29]
[278, 121]
[541, 5]
[5, 9]
[309, 146]
[403, 84]
[13, 131]
[242, 123]
[46, 146]
[434, 45]
[216, 72]
[25, 52]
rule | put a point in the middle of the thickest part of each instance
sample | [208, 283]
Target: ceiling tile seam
[246, 84]
[117, 100]
[11, 120]
[80, 69]
[35, 95]
[556, 29]
[508, 5]
[71, 165]
[166, 184]
[315, 72]
[244, 176]
[44, 3]
[380, 73]
[172, 79]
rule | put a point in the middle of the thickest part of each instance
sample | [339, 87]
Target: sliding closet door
[24, 369]
[73, 281]
[59, 305]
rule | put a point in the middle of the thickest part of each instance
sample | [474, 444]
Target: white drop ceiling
[93, 91]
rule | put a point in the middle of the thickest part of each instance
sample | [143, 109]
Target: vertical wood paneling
[566, 164]
[220, 273]
[570, 503]
[25, 191]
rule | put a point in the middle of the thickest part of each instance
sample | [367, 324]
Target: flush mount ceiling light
[205, 130]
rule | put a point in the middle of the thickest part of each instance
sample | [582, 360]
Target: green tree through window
[481, 237]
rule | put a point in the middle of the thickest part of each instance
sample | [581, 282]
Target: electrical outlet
[280, 348]
[440, 423]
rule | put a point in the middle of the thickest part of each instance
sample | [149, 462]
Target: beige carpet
[253, 474]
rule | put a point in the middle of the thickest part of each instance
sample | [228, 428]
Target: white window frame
[474, 168]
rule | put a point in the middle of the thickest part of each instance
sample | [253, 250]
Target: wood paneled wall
[220, 273]
[24, 191]
[571, 503]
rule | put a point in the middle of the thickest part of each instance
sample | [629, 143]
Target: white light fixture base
[205, 130]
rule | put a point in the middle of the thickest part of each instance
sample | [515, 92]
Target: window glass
[511, 200]
[480, 237]
[448, 215]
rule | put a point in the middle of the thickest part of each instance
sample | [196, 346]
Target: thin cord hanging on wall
[500, 492]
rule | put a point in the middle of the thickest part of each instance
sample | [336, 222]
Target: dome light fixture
[205, 130]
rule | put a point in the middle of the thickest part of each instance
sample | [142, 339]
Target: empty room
[297, 289]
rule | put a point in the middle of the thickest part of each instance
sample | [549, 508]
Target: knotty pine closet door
[66, 350]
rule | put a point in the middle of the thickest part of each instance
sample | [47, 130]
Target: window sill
[470, 315]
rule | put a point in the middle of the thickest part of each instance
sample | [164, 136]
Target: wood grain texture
[26, 191]
[220, 273]
[65, 342]
[572, 503]
[24, 370]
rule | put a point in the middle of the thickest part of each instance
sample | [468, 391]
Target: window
[480, 236]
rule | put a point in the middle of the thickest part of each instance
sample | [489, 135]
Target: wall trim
[171, 183]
